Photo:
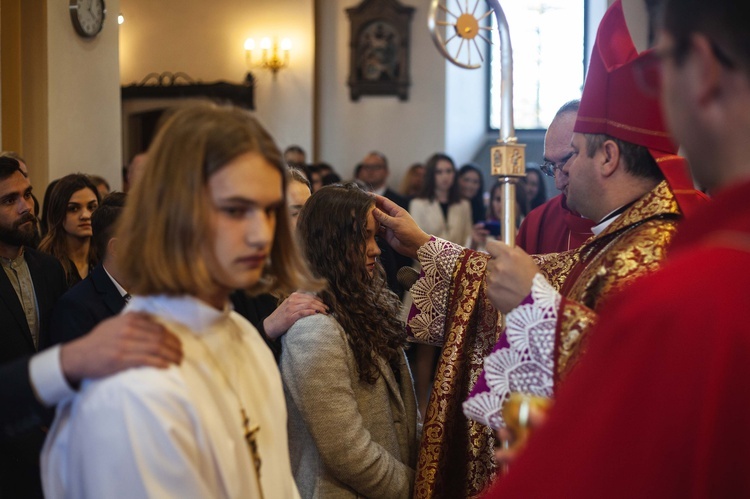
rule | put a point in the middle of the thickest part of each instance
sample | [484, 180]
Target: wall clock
[87, 16]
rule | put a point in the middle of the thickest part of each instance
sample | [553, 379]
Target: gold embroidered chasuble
[451, 308]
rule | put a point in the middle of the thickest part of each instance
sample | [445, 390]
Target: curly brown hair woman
[350, 395]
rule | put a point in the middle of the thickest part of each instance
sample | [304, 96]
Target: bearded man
[30, 284]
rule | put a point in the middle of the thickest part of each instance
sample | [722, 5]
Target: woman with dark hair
[482, 231]
[471, 187]
[350, 396]
[412, 182]
[439, 209]
[71, 203]
[42, 215]
[536, 192]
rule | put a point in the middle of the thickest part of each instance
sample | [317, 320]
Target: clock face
[87, 16]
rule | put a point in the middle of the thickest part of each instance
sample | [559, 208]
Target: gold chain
[250, 431]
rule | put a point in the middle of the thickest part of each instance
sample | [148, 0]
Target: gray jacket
[346, 438]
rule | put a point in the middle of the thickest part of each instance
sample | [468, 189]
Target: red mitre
[614, 103]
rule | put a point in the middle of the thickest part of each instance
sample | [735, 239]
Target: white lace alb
[527, 365]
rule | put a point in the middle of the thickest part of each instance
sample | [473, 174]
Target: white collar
[610, 217]
[195, 314]
[120, 289]
[598, 229]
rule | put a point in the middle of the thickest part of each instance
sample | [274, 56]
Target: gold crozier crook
[463, 24]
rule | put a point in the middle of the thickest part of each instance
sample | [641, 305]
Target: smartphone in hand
[493, 226]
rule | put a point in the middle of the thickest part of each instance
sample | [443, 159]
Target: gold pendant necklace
[250, 431]
[250, 438]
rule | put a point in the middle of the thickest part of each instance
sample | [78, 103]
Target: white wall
[184, 35]
[466, 111]
[83, 95]
[439, 116]
[445, 111]
[68, 94]
[636, 18]
[405, 131]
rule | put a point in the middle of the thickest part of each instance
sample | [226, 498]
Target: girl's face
[444, 175]
[532, 185]
[468, 184]
[416, 181]
[245, 195]
[372, 250]
[316, 181]
[77, 221]
[496, 203]
[297, 195]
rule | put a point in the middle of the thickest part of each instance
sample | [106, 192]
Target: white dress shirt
[47, 378]
[177, 432]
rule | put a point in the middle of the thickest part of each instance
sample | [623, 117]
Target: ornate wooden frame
[180, 85]
[379, 47]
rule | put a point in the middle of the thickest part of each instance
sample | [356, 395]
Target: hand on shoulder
[129, 340]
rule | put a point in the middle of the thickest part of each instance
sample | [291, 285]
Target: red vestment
[454, 311]
[658, 406]
[552, 228]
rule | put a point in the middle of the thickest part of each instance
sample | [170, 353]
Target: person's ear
[610, 159]
[705, 70]
[111, 247]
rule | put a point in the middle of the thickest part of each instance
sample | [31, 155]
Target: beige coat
[346, 438]
[429, 216]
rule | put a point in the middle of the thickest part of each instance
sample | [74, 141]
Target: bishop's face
[582, 188]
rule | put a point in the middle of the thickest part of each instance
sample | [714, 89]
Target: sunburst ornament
[455, 27]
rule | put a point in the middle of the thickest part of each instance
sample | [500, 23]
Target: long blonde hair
[166, 221]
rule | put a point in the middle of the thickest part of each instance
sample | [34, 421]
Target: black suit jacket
[396, 198]
[255, 309]
[21, 410]
[19, 456]
[389, 258]
[83, 307]
[49, 284]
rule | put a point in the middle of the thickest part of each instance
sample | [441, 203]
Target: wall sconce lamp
[269, 54]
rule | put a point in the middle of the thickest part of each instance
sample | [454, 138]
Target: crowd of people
[234, 325]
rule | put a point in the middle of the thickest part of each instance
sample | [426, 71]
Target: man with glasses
[373, 172]
[626, 176]
[553, 227]
[657, 407]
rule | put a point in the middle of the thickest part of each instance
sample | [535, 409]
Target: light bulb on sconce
[269, 54]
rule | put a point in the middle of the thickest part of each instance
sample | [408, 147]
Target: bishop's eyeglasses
[548, 167]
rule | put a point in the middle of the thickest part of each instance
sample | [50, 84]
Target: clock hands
[88, 16]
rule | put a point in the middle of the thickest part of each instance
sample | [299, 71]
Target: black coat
[19, 450]
[83, 307]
